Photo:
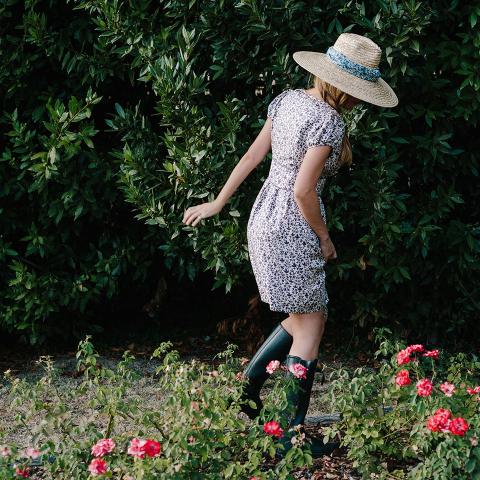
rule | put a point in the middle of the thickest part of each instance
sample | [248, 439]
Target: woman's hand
[196, 213]
[328, 249]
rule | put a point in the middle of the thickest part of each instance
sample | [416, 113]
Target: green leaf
[404, 272]
[119, 110]
[78, 211]
[473, 19]
[470, 465]
[52, 155]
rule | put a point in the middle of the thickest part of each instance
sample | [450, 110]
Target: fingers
[192, 216]
[199, 217]
[187, 216]
[331, 256]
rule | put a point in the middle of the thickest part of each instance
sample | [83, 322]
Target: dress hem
[288, 309]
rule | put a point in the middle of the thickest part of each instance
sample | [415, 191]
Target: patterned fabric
[284, 250]
[361, 71]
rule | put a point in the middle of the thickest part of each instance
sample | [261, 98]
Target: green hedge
[118, 116]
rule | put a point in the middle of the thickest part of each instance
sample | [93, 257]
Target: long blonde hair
[335, 98]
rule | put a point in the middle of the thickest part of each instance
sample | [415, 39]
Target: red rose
[458, 426]
[140, 447]
[473, 391]
[152, 448]
[415, 348]
[23, 472]
[273, 428]
[403, 378]
[440, 421]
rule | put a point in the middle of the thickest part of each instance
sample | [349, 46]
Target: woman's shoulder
[281, 95]
[325, 127]
[326, 114]
[275, 102]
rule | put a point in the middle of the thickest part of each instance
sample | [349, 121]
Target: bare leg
[287, 325]
[307, 331]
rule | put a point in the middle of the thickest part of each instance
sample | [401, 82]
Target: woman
[288, 240]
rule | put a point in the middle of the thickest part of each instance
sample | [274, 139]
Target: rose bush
[433, 428]
[194, 431]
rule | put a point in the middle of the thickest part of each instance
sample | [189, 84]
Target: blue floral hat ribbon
[361, 71]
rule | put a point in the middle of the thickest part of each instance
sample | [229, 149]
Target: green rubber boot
[300, 401]
[275, 347]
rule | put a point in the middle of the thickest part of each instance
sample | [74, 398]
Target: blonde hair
[335, 98]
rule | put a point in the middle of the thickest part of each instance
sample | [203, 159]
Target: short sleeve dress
[284, 250]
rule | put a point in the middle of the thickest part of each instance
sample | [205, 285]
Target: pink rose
[136, 447]
[403, 356]
[32, 452]
[5, 451]
[431, 353]
[272, 366]
[473, 391]
[97, 466]
[403, 378]
[447, 388]
[424, 387]
[102, 447]
[273, 428]
[298, 370]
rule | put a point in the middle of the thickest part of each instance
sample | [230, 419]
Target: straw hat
[351, 65]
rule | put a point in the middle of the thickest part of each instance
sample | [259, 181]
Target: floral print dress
[284, 250]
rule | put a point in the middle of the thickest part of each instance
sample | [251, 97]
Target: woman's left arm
[254, 155]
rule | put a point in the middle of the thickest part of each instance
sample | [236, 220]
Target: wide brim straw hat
[351, 65]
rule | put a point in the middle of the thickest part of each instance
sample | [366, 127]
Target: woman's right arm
[254, 155]
[307, 198]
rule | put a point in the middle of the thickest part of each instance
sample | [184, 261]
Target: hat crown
[359, 49]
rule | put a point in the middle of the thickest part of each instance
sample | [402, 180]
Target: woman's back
[300, 121]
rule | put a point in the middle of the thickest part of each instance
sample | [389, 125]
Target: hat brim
[377, 92]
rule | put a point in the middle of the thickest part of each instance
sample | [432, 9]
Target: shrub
[431, 432]
[91, 191]
[190, 428]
